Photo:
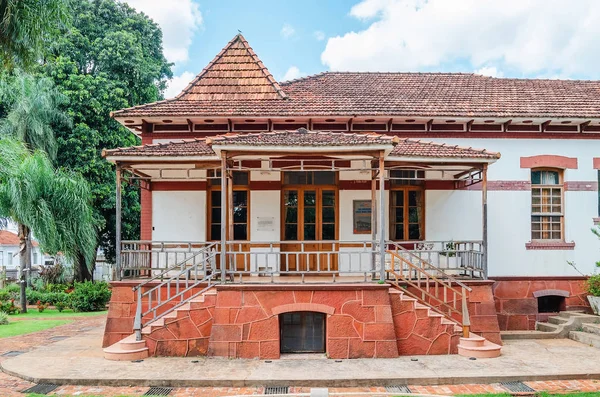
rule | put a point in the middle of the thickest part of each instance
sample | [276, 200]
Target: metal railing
[195, 272]
[301, 258]
[143, 258]
[429, 284]
[460, 258]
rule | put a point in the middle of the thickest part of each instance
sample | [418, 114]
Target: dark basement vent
[277, 390]
[42, 388]
[403, 389]
[517, 387]
[158, 391]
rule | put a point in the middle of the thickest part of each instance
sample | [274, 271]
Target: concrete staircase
[559, 326]
[588, 334]
[129, 349]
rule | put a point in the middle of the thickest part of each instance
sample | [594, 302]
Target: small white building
[9, 251]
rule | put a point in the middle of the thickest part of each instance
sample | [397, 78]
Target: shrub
[57, 287]
[5, 295]
[54, 274]
[89, 296]
[41, 306]
[13, 288]
[46, 297]
[3, 318]
[60, 306]
[9, 307]
[593, 285]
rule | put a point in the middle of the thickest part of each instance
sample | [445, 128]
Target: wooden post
[373, 220]
[223, 215]
[382, 216]
[484, 217]
[118, 263]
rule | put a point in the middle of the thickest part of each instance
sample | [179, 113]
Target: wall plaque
[265, 223]
[361, 219]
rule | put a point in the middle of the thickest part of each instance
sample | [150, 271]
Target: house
[356, 214]
[9, 253]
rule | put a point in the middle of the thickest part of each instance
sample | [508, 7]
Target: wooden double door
[310, 228]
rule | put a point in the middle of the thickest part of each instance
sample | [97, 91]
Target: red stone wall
[517, 308]
[358, 322]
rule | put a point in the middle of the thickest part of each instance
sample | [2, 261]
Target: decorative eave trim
[550, 161]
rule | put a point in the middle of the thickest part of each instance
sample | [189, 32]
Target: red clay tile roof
[403, 147]
[184, 147]
[9, 238]
[303, 137]
[395, 94]
[236, 73]
[415, 148]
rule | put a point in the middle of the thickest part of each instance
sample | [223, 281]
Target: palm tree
[56, 204]
[33, 106]
[25, 25]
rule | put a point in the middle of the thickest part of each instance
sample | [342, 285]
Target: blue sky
[508, 38]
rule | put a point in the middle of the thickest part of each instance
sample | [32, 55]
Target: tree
[33, 109]
[110, 57]
[25, 26]
[54, 203]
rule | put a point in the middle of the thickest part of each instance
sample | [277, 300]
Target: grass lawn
[33, 313]
[26, 327]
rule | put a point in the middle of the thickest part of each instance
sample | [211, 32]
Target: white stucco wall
[179, 215]
[509, 212]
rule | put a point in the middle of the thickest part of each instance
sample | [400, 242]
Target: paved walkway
[78, 361]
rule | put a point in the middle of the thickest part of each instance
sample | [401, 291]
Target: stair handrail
[197, 269]
[451, 306]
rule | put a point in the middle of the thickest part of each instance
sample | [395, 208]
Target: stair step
[127, 349]
[472, 341]
[547, 327]
[489, 350]
[591, 328]
[558, 320]
[585, 338]
[520, 335]
[569, 313]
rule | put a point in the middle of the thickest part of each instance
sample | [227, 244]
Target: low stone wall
[517, 307]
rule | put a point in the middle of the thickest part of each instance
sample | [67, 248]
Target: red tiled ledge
[554, 245]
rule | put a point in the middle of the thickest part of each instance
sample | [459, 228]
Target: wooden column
[373, 219]
[223, 215]
[382, 216]
[119, 270]
[484, 216]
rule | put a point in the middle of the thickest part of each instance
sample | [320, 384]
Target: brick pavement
[11, 386]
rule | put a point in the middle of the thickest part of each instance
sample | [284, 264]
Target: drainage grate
[12, 353]
[277, 390]
[42, 388]
[398, 389]
[57, 338]
[158, 391]
[517, 387]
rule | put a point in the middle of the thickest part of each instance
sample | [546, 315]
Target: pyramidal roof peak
[236, 73]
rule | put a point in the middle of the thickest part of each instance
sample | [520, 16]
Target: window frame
[216, 187]
[561, 186]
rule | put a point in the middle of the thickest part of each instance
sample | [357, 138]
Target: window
[35, 258]
[240, 205]
[309, 178]
[546, 205]
[9, 258]
[406, 205]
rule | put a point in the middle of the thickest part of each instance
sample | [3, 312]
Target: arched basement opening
[302, 332]
[551, 300]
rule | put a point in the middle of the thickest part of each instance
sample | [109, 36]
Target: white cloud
[287, 31]
[292, 73]
[178, 19]
[535, 37]
[490, 71]
[178, 83]
[319, 35]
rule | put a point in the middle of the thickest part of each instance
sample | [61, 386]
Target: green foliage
[54, 203]
[57, 287]
[25, 26]
[51, 298]
[60, 306]
[110, 58]
[593, 285]
[8, 307]
[53, 275]
[32, 105]
[89, 296]
[4, 318]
